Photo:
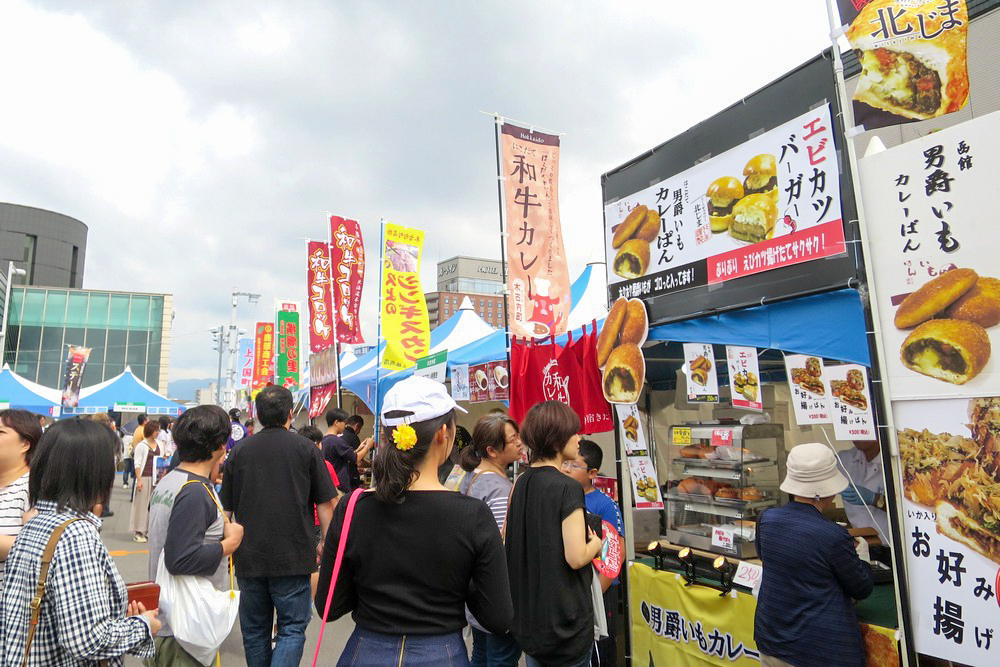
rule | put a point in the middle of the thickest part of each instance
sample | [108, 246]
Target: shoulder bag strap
[36, 602]
[341, 546]
[225, 519]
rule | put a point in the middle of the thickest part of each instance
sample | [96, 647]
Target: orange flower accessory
[405, 437]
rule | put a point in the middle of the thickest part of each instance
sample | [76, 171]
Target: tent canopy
[22, 394]
[121, 389]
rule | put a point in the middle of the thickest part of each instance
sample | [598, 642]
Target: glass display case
[721, 477]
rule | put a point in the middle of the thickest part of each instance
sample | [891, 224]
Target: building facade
[121, 328]
[481, 280]
[50, 247]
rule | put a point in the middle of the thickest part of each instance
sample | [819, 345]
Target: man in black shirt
[339, 450]
[273, 478]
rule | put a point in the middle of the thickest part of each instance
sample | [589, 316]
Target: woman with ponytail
[416, 553]
[496, 444]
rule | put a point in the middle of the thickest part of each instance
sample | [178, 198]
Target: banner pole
[378, 335]
[333, 304]
[497, 124]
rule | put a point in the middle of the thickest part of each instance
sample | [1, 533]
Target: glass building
[121, 328]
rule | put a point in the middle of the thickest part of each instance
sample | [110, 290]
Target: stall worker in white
[863, 466]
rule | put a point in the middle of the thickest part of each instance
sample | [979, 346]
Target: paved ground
[132, 561]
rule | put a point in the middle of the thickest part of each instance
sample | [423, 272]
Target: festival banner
[913, 58]
[319, 397]
[537, 276]
[321, 324]
[76, 361]
[347, 257]
[934, 260]
[263, 354]
[744, 377]
[323, 367]
[702, 373]
[460, 382]
[810, 389]
[770, 202]
[286, 362]
[246, 361]
[405, 323]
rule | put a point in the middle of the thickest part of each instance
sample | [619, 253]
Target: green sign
[286, 367]
[129, 407]
[433, 366]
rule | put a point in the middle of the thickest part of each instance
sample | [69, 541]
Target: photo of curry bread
[700, 366]
[914, 78]
[958, 477]
[632, 238]
[619, 351]
[951, 350]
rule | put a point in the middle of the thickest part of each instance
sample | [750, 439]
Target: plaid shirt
[82, 617]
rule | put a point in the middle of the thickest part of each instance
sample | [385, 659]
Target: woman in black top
[549, 546]
[416, 553]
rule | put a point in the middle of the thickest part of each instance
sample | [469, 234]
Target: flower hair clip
[405, 437]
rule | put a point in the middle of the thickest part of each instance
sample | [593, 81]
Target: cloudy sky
[201, 141]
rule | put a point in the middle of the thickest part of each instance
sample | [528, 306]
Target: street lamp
[11, 272]
[229, 400]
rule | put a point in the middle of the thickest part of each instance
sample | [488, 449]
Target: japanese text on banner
[405, 323]
[286, 371]
[321, 324]
[347, 257]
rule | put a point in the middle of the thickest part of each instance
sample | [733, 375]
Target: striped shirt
[13, 505]
[494, 490]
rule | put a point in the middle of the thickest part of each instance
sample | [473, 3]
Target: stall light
[656, 551]
[686, 557]
[725, 568]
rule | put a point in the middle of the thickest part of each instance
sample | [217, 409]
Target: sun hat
[811, 472]
[423, 397]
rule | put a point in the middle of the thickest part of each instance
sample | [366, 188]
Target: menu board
[701, 372]
[771, 202]
[645, 488]
[810, 389]
[744, 377]
[851, 402]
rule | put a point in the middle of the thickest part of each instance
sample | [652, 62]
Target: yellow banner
[681, 626]
[405, 325]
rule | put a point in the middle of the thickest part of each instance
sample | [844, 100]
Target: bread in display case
[721, 477]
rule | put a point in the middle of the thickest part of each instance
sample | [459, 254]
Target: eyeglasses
[569, 465]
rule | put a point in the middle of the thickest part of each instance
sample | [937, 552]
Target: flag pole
[333, 305]
[498, 124]
[378, 336]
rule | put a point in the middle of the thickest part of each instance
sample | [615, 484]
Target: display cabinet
[721, 477]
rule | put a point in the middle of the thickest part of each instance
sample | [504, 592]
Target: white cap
[423, 397]
[811, 471]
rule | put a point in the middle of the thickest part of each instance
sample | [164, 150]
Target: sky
[203, 141]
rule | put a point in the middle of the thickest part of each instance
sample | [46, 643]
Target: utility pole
[233, 340]
[218, 336]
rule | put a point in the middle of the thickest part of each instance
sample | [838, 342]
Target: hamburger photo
[723, 193]
[761, 176]
[753, 218]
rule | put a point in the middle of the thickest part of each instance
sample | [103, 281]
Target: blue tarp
[830, 325]
[126, 388]
[20, 397]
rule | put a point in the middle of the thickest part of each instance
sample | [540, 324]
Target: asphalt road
[132, 560]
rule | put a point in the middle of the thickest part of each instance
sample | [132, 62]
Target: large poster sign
[702, 374]
[405, 324]
[934, 256]
[537, 278]
[286, 363]
[263, 353]
[810, 389]
[744, 377]
[913, 58]
[950, 451]
[321, 324]
[773, 201]
[246, 360]
[76, 361]
[347, 256]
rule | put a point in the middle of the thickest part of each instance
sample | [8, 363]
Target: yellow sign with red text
[405, 324]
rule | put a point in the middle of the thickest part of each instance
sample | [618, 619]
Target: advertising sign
[810, 389]
[460, 382]
[744, 377]
[129, 407]
[537, 278]
[321, 323]
[950, 452]
[702, 374]
[405, 324]
[245, 364]
[319, 397]
[76, 361]
[619, 351]
[630, 430]
[347, 256]
[499, 379]
[913, 58]
[433, 366]
[645, 490]
[286, 363]
[934, 257]
[323, 366]
[479, 383]
[850, 402]
[263, 354]
[771, 202]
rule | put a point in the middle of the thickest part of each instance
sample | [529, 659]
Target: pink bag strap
[341, 546]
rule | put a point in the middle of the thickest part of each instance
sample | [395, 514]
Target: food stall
[739, 238]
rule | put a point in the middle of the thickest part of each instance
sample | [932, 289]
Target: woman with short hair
[145, 452]
[84, 616]
[19, 433]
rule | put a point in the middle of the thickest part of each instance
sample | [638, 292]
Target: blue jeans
[584, 661]
[489, 650]
[375, 649]
[260, 598]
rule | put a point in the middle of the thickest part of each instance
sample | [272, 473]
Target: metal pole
[336, 311]
[231, 342]
[498, 123]
[378, 336]
[11, 272]
[218, 380]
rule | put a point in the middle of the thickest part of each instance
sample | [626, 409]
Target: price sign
[723, 538]
[747, 574]
[722, 437]
[682, 436]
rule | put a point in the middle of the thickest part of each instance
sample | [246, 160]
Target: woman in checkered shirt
[85, 615]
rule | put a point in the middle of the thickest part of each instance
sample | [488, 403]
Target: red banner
[347, 258]
[263, 355]
[319, 397]
[320, 298]
[823, 240]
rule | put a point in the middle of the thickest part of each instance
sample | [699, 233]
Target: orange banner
[537, 278]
